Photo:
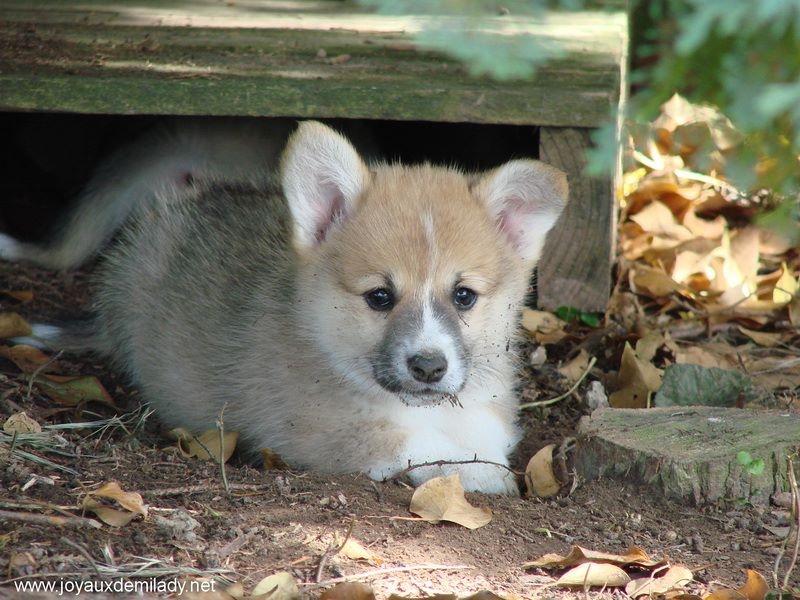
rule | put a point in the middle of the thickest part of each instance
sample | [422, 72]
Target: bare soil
[274, 521]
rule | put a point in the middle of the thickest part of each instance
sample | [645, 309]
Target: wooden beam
[575, 269]
[214, 58]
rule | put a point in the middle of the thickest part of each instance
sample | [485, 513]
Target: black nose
[427, 367]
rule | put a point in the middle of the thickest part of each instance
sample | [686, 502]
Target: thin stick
[85, 554]
[331, 552]
[441, 463]
[566, 394]
[380, 572]
[27, 517]
[199, 489]
[221, 430]
[796, 508]
[38, 370]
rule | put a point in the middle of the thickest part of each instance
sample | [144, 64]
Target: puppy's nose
[427, 367]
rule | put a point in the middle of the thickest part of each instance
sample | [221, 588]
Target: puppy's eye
[379, 299]
[464, 298]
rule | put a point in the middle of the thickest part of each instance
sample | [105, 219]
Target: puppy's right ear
[322, 177]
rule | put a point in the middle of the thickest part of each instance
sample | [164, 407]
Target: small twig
[330, 551]
[85, 554]
[795, 525]
[221, 430]
[38, 370]
[27, 517]
[541, 403]
[199, 489]
[441, 463]
[380, 572]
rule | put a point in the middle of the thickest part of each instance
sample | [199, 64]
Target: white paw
[475, 477]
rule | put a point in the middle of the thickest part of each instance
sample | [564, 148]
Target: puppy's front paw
[475, 477]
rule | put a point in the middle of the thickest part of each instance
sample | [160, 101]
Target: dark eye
[464, 298]
[379, 299]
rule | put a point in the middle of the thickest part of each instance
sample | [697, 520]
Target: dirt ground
[286, 521]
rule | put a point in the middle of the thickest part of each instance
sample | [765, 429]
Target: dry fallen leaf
[13, 325]
[22, 296]
[786, 287]
[29, 359]
[574, 369]
[592, 574]
[348, 591]
[545, 327]
[280, 586]
[73, 391]
[272, 461]
[578, 555]
[354, 550]
[442, 499]
[637, 379]
[675, 577]
[652, 282]
[21, 423]
[206, 446]
[539, 477]
[131, 501]
[768, 340]
[755, 588]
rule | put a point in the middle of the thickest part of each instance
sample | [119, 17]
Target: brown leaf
[22, 296]
[13, 325]
[592, 574]
[131, 501]
[442, 499]
[73, 391]
[578, 555]
[675, 577]
[545, 327]
[659, 221]
[206, 446]
[279, 586]
[574, 369]
[755, 588]
[786, 288]
[637, 379]
[21, 423]
[354, 550]
[348, 591]
[272, 461]
[29, 359]
[768, 340]
[539, 477]
[652, 282]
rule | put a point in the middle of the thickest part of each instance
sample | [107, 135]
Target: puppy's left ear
[525, 198]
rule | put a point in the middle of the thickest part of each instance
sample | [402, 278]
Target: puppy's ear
[525, 198]
[322, 177]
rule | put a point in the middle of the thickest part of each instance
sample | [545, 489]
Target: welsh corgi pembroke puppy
[350, 317]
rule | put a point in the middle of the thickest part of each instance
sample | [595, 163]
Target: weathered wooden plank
[690, 452]
[578, 256]
[261, 59]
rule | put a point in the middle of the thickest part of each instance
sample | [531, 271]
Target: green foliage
[471, 31]
[753, 467]
[741, 56]
[571, 314]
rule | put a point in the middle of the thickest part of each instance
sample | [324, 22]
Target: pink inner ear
[330, 210]
[513, 220]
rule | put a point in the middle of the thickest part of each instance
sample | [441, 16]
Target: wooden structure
[262, 58]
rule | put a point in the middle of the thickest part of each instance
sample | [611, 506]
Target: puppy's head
[411, 277]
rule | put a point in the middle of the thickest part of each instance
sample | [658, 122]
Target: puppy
[350, 317]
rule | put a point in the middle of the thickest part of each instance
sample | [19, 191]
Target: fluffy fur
[252, 296]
